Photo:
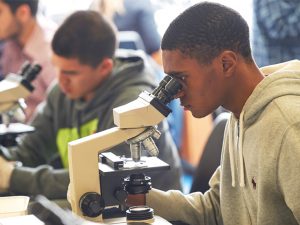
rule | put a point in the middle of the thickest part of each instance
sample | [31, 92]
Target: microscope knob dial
[91, 204]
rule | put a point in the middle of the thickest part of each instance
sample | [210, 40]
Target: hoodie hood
[281, 79]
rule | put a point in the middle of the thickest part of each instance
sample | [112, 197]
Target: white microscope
[13, 89]
[98, 182]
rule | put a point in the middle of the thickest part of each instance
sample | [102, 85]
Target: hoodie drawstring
[231, 137]
[240, 149]
[231, 153]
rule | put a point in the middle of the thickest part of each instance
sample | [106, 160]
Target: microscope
[13, 89]
[101, 180]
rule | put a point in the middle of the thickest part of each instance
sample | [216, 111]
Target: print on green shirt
[65, 135]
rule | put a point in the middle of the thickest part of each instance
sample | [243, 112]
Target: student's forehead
[176, 62]
[170, 59]
[176, 56]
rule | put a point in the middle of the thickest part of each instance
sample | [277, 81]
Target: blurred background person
[132, 15]
[276, 31]
[26, 39]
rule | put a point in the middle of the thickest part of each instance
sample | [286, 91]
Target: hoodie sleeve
[34, 151]
[38, 147]
[44, 180]
[195, 208]
[288, 169]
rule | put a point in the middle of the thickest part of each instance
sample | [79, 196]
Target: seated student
[25, 38]
[92, 80]
[207, 48]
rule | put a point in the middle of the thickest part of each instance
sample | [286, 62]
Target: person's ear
[228, 60]
[23, 13]
[106, 66]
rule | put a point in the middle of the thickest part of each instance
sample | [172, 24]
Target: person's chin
[198, 114]
[72, 97]
[68, 93]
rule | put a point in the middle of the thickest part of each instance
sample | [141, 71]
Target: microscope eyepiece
[172, 87]
[161, 85]
[30, 73]
[167, 89]
[24, 68]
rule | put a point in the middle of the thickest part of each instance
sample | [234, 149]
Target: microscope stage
[146, 164]
[15, 128]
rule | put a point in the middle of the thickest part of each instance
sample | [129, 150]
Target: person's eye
[182, 78]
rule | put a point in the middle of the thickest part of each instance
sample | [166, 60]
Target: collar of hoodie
[235, 139]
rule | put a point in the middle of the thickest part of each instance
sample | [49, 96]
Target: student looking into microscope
[207, 48]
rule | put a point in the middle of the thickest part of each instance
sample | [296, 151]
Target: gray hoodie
[258, 180]
[61, 120]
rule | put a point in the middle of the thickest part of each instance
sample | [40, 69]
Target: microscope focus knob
[91, 204]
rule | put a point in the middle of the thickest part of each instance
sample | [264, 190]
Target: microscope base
[122, 221]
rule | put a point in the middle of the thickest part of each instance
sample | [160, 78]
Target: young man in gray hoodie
[92, 80]
[207, 48]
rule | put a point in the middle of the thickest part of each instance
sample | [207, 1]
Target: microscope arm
[83, 162]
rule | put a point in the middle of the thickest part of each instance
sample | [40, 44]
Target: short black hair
[15, 4]
[206, 29]
[87, 36]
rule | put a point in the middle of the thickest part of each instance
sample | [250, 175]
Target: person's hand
[6, 169]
